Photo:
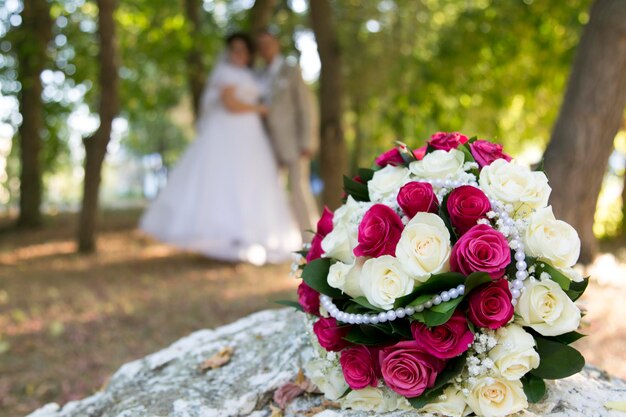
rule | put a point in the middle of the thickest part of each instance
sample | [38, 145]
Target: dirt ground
[67, 321]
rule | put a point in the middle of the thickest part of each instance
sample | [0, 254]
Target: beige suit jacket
[292, 119]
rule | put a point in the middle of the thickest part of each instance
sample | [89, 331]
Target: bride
[224, 198]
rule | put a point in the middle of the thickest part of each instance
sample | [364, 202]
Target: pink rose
[445, 341]
[420, 152]
[467, 204]
[324, 227]
[485, 152]
[481, 249]
[446, 141]
[408, 370]
[391, 157]
[330, 335]
[359, 367]
[490, 304]
[415, 197]
[379, 232]
[309, 299]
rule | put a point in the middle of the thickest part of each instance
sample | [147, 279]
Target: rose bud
[324, 227]
[481, 249]
[408, 370]
[309, 299]
[490, 305]
[466, 205]
[330, 335]
[446, 141]
[416, 197]
[445, 341]
[485, 152]
[379, 232]
[359, 366]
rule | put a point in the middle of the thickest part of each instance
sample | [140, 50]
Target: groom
[290, 125]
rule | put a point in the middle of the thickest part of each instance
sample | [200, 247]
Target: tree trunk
[358, 136]
[195, 67]
[261, 15]
[582, 139]
[34, 36]
[333, 161]
[96, 145]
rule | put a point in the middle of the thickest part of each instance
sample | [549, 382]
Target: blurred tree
[261, 15]
[33, 38]
[108, 108]
[332, 147]
[196, 71]
[592, 111]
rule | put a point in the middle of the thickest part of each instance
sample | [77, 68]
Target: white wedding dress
[224, 198]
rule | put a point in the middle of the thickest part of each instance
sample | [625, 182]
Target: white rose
[340, 243]
[383, 280]
[327, 376]
[514, 355]
[380, 400]
[424, 246]
[546, 308]
[346, 277]
[453, 406]
[439, 164]
[496, 397]
[515, 184]
[551, 240]
[386, 182]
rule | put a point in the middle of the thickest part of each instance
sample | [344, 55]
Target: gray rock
[268, 352]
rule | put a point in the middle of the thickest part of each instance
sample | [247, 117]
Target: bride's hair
[246, 39]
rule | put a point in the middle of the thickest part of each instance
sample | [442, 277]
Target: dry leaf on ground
[218, 360]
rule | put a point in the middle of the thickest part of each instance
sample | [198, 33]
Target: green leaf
[573, 289]
[555, 275]
[290, 303]
[357, 190]
[443, 214]
[315, 274]
[576, 289]
[439, 314]
[366, 174]
[368, 336]
[453, 369]
[465, 148]
[476, 279]
[402, 328]
[363, 302]
[557, 360]
[568, 338]
[534, 388]
[434, 284]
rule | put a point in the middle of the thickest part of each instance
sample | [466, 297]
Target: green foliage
[440, 314]
[574, 290]
[315, 275]
[558, 360]
[534, 388]
[479, 67]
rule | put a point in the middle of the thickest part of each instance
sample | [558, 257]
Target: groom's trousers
[302, 200]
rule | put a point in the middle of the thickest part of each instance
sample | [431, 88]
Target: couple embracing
[225, 198]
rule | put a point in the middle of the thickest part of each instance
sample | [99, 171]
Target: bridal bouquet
[444, 284]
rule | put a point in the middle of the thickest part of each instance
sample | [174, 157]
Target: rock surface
[268, 352]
